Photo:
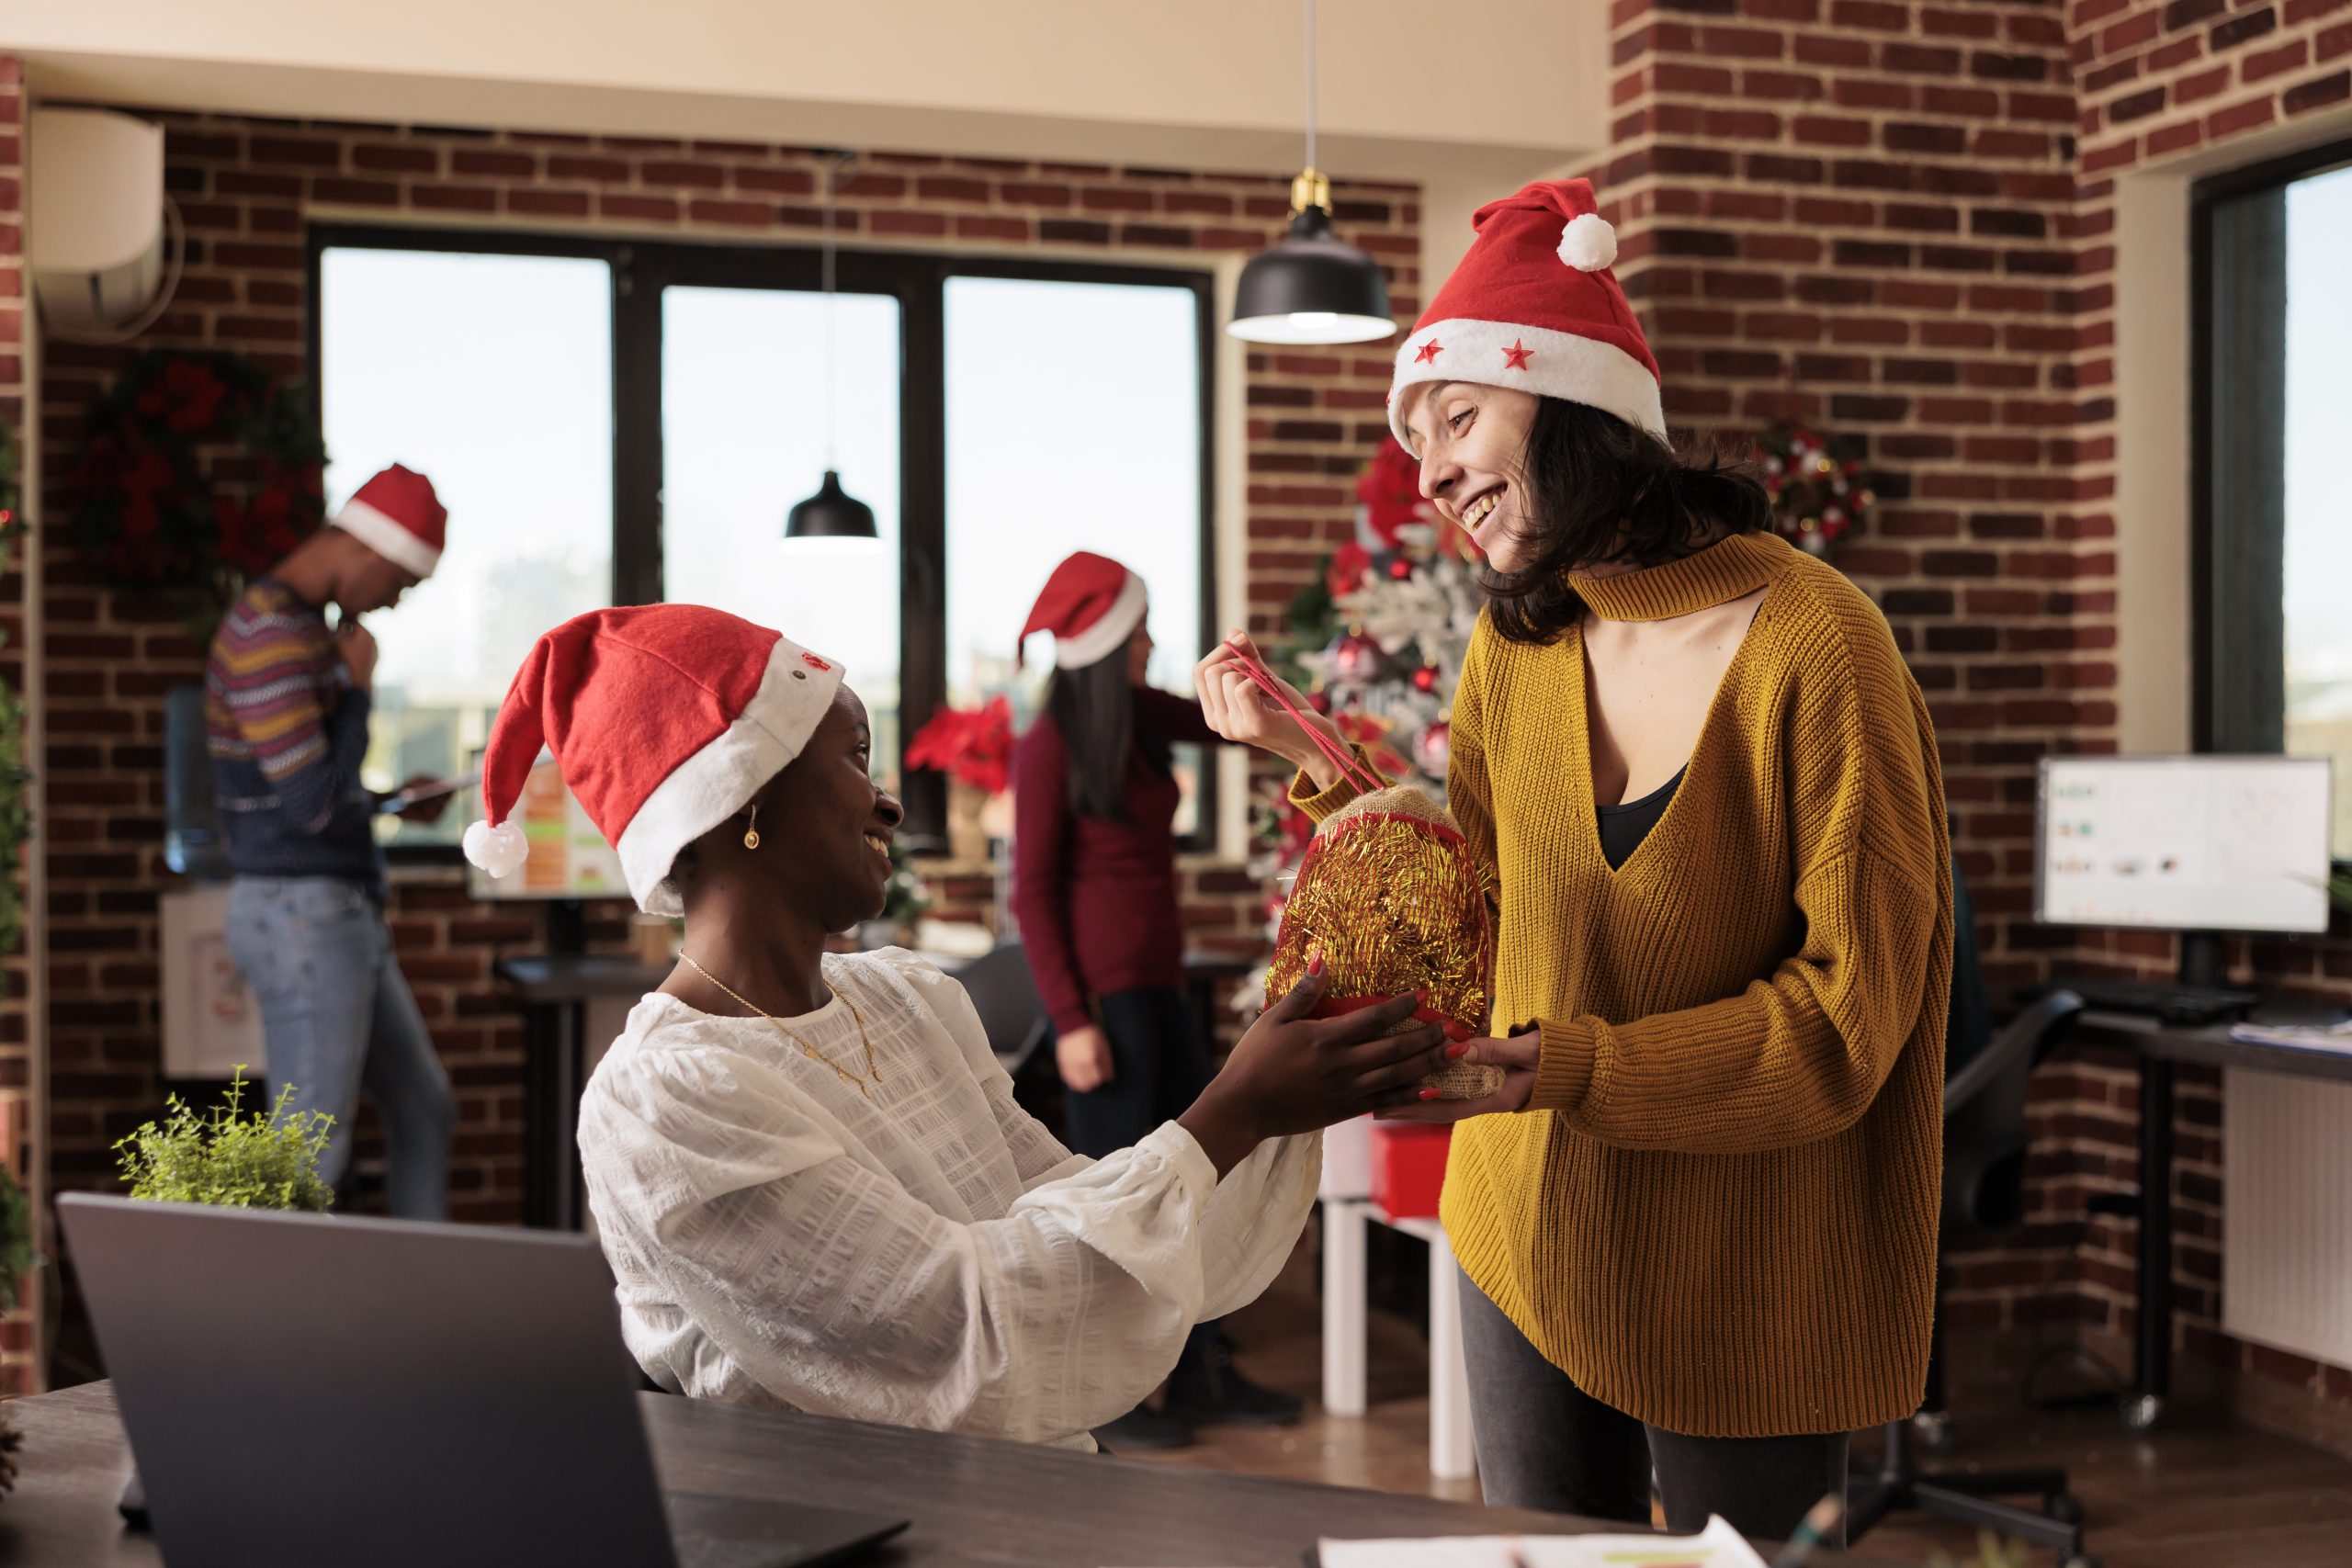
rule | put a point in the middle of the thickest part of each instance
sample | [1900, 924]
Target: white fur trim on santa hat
[379, 533]
[719, 780]
[1108, 634]
[1531, 359]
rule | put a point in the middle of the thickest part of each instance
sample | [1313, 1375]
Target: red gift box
[1409, 1168]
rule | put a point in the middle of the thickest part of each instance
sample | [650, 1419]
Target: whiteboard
[2183, 843]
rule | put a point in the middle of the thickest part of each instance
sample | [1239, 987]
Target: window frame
[918, 280]
[2217, 721]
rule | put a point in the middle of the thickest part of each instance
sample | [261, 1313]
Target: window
[616, 423]
[492, 374]
[741, 443]
[1047, 454]
[2275, 373]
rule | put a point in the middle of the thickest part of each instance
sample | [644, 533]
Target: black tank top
[1623, 828]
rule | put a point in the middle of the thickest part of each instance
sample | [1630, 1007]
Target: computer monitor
[568, 858]
[2183, 843]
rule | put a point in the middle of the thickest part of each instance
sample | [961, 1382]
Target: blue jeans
[337, 1016]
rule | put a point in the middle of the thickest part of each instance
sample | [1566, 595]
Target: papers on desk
[2333, 1037]
[1718, 1546]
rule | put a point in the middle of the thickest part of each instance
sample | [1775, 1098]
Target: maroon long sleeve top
[1096, 899]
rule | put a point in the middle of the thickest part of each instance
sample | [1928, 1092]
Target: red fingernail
[1429, 1094]
[1315, 960]
[1456, 1052]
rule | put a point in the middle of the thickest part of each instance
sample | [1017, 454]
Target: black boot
[1143, 1430]
[1206, 1389]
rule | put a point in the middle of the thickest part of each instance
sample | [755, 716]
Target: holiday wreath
[200, 470]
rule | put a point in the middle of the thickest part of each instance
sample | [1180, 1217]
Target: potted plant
[974, 747]
[234, 1158]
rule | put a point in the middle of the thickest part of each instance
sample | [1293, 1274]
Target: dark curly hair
[1599, 491]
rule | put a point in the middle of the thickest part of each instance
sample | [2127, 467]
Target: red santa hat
[397, 515]
[665, 719]
[1534, 306]
[1091, 604]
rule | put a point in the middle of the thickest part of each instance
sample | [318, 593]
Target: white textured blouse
[930, 1258]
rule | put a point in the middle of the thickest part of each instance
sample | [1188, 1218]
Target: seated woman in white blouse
[807, 1170]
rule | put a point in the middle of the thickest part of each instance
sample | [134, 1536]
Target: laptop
[302, 1389]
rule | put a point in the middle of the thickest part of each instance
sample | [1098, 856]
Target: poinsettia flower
[972, 745]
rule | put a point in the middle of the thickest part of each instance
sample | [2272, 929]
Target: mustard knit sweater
[1718, 1213]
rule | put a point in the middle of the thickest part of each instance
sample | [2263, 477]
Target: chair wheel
[2065, 1508]
[1933, 1428]
[2080, 1559]
[2141, 1411]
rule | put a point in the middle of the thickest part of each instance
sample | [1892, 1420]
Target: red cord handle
[1337, 754]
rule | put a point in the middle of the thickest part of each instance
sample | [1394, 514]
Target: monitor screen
[2183, 843]
[568, 858]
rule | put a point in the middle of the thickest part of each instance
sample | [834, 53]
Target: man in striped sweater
[287, 708]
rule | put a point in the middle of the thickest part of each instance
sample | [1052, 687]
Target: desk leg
[2152, 1358]
[1346, 1229]
[571, 1053]
[541, 1032]
[1453, 1456]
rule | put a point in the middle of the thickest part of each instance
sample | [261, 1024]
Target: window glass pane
[1073, 422]
[744, 422]
[492, 376]
[2319, 536]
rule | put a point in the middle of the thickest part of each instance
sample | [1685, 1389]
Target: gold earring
[752, 833]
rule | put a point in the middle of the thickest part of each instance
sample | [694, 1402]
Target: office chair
[1004, 994]
[1984, 1149]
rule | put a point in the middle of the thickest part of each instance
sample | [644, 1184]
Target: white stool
[1345, 1232]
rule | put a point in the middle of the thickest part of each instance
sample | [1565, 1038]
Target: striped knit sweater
[1718, 1213]
[287, 737]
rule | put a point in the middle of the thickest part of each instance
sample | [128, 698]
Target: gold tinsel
[1389, 894]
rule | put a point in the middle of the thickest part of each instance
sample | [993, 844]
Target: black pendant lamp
[833, 520]
[1310, 288]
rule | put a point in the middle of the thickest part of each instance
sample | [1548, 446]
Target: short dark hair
[1599, 491]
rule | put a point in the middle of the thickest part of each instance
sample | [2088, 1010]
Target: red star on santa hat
[1429, 351]
[1516, 357]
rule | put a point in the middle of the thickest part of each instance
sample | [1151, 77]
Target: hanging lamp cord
[1311, 86]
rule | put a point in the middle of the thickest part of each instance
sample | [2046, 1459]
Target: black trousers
[1160, 1064]
[1544, 1443]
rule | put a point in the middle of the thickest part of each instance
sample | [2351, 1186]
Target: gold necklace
[873, 1073]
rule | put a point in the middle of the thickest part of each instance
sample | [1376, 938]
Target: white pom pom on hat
[500, 851]
[1587, 243]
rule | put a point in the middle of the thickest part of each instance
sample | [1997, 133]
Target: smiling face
[1472, 443]
[825, 829]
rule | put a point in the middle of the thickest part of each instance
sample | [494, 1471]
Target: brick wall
[1876, 214]
[2161, 80]
[1857, 213]
[18, 1373]
[247, 189]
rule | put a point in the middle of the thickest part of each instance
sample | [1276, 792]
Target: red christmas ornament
[1433, 747]
[1400, 568]
[1425, 678]
[1355, 660]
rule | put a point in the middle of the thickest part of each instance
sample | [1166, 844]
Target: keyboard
[2172, 1003]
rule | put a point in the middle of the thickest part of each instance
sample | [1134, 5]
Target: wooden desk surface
[2211, 1046]
[975, 1504]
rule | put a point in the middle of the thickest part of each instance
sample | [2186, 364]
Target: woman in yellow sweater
[1697, 1222]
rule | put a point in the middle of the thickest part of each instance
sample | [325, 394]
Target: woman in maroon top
[1094, 891]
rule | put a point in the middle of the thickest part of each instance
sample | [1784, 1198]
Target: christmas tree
[1376, 642]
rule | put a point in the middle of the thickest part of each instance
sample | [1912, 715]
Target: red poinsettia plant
[973, 746]
[201, 471]
[1389, 498]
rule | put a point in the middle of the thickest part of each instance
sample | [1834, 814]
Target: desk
[975, 1504]
[2161, 1047]
[555, 991]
